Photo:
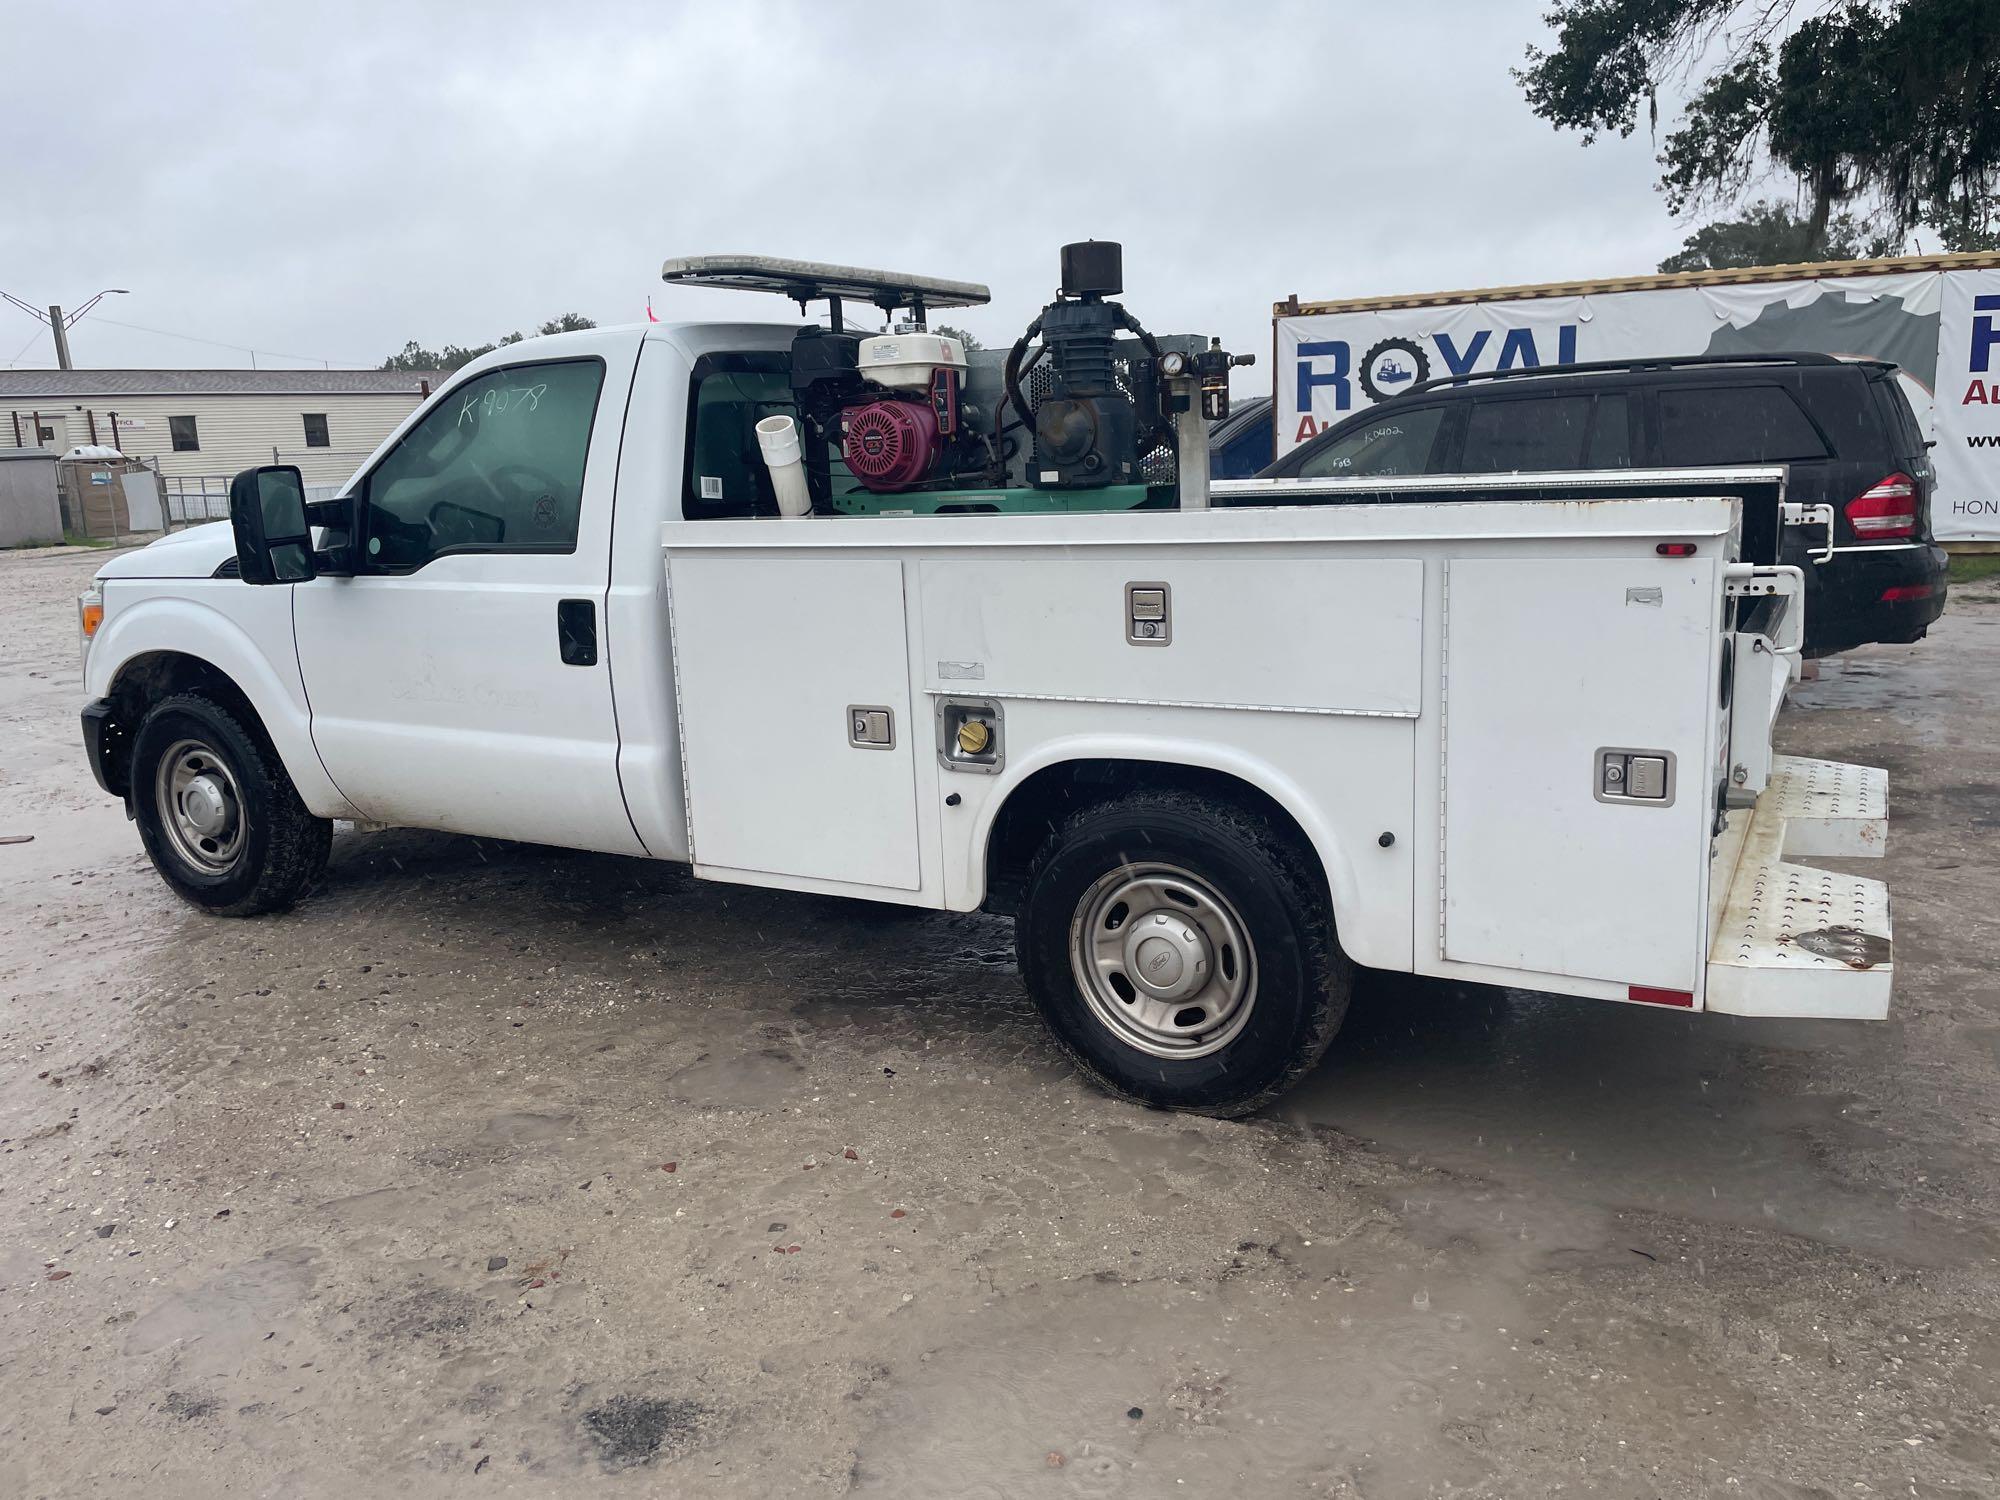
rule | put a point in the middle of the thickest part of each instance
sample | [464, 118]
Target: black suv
[1842, 427]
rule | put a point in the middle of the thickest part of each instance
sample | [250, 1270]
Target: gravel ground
[492, 1170]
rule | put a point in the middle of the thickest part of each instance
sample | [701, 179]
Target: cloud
[331, 181]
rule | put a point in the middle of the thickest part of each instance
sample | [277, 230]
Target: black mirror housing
[267, 511]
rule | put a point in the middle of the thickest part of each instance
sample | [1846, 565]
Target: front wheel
[221, 819]
[1182, 951]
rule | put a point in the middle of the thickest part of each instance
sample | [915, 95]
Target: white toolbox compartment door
[1549, 663]
[771, 657]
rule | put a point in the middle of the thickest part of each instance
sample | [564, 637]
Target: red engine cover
[890, 445]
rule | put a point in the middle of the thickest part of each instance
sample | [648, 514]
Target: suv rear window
[1397, 442]
[1734, 424]
[1897, 414]
[1540, 432]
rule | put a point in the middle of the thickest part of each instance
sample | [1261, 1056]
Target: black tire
[1269, 886]
[281, 847]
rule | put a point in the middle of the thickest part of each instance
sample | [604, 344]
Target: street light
[59, 322]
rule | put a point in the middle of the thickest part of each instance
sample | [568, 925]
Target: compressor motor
[1088, 431]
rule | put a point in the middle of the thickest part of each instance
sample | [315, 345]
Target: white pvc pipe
[778, 437]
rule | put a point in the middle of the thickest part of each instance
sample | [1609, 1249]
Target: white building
[211, 423]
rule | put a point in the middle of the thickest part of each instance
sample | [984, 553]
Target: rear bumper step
[1790, 940]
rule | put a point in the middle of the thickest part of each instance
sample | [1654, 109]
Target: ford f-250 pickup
[851, 614]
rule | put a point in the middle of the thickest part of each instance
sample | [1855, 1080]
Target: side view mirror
[267, 511]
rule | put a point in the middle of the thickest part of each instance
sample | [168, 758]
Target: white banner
[1967, 456]
[1941, 328]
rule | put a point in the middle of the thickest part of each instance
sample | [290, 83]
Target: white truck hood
[194, 553]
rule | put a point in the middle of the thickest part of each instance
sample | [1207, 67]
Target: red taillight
[1903, 591]
[1675, 549]
[1887, 508]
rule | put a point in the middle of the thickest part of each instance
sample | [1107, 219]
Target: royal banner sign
[1940, 328]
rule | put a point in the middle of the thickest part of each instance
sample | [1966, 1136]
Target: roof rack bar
[1656, 362]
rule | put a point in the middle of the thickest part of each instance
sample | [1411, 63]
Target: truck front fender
[164, 628]
[1373, 914]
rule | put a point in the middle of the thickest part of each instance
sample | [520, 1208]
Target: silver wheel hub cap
[1166, 956]
[200, 807]
[205, 807]
[1163, 961]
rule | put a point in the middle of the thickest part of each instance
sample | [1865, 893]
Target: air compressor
[1086, 411]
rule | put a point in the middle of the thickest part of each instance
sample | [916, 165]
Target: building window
[316, 430]
[186, 440]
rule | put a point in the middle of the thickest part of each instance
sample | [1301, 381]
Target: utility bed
[1432, 689]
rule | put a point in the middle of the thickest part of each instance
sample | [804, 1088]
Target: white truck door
[460, 680]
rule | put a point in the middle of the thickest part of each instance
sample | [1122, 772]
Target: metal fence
[195, 498]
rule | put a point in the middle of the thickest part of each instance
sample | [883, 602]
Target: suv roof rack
[814, 281]
[1662, 362]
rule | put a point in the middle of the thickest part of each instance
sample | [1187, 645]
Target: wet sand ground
[498, 1171]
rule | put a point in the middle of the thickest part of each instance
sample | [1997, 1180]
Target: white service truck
[821, 611]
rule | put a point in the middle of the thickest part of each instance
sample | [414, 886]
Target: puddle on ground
[1616, 1106]
[212, 1328]
[764, 1079]
[518, 1128]
[1148, 1389]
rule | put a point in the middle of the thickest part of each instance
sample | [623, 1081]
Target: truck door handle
[576, 631]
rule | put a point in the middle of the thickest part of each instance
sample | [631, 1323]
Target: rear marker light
[1675, 549]
[1887, 508]
[1645, 994]
[1904, 591]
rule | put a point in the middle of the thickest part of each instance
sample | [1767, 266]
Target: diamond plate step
[1791, 940]
[1830, 809]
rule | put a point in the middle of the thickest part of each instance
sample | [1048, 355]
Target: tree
[961, 335]
[1771, 234]
[415, 357]
[1892, 106]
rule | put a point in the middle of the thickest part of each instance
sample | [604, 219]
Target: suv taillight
[1887, 508]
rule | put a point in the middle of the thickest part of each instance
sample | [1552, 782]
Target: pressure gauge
[1173, 364]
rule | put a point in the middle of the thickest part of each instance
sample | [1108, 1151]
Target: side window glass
[726, 475]
[495, 466]
[1610, 445]
[1395, 442]
[1739, 424]
[1525, 435]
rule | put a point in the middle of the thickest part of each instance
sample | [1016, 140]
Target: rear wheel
[1182, 951]
[219, 816]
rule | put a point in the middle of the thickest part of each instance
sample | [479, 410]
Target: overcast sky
[328, 182]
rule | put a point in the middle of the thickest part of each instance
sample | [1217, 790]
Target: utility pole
[60, 322]
[61, 330]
